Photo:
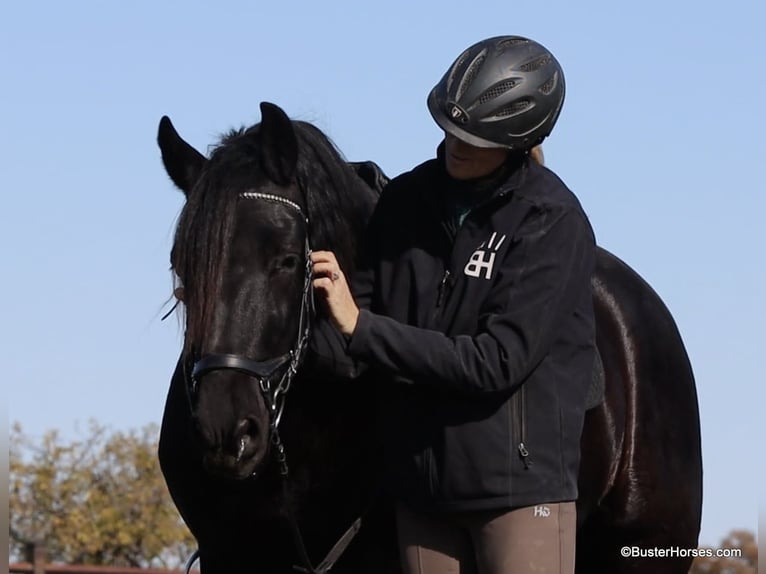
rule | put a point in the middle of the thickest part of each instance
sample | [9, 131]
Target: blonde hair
[536, 153]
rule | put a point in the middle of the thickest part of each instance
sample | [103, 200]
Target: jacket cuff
[359, 342]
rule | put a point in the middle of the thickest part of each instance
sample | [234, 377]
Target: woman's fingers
[323, 257]
[329, 270]
[325, 264]
[324, 284]
[331, 283]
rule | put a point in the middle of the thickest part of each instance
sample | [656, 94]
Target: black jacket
[484, 336]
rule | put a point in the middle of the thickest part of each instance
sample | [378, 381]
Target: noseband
[265, 372]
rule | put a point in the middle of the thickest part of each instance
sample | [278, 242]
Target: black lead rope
[306, 567]
[190, 562]
[335, 552]
[338, 548]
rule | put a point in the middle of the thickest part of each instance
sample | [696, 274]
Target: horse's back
[634, 324]
[641, 477]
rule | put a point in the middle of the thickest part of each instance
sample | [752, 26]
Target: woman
[475, 307]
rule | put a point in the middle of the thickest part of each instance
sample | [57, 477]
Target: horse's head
[240, 257]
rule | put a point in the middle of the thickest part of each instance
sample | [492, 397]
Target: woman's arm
[538, 288]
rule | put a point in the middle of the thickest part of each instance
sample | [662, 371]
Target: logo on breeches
[542, 511]
[483, 259]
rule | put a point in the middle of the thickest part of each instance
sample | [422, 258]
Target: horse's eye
[289, 263]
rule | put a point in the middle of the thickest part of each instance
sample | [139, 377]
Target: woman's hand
[330, 283]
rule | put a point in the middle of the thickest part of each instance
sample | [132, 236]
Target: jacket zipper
[519, 411]
[442, 288]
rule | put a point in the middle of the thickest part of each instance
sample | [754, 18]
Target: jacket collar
[504, 180]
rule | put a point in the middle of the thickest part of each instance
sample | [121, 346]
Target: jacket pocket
[519, 415]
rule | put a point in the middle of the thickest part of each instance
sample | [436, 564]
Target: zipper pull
[524, 453]
[440, 294]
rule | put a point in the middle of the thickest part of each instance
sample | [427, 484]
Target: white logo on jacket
[483, 259]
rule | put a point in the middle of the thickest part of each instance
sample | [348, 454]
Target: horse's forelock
[205, 227]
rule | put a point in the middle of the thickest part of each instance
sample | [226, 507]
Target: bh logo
[483, 259]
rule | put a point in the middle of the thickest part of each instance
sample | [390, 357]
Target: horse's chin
[227, 466]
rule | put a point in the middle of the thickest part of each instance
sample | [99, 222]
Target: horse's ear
[182, 162]
[279, 145]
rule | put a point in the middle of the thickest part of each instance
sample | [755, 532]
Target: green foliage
[100, 500]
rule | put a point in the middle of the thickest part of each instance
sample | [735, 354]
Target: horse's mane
[337, 201]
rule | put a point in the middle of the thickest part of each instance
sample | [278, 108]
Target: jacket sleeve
[538, 287]
[327, 354]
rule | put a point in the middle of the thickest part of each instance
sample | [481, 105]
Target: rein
[275, 394]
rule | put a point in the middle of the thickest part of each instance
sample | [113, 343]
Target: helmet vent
[497, 90]
[457, 65]
[536, 64]
[515, 108]
[470, 75]
[501, 47]
[548, 86]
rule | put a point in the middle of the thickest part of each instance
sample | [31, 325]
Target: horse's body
[640, 480]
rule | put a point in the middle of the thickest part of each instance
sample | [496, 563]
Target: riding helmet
[505, 91]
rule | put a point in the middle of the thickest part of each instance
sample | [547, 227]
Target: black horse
[272, 464]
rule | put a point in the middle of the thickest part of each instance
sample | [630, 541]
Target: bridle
[275, 391]
[264, 371]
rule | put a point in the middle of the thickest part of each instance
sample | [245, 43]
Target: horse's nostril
[243, 442]
[245, 427]
[245, 431]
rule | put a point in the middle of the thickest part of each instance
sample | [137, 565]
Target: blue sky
[661, 137]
